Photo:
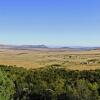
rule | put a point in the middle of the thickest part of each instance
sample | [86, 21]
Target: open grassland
[36, 58]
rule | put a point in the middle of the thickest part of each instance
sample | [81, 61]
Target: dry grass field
[70, 59]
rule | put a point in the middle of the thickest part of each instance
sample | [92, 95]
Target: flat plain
[36, 58]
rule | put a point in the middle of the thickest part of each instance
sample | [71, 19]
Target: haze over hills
[22, 47]
[81, 48]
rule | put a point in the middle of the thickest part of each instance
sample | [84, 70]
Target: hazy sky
[50, 22]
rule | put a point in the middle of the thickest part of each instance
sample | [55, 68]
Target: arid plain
[36, 58]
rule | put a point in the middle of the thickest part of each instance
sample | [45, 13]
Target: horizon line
[50, 45]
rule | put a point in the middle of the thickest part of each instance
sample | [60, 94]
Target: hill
[21, 47]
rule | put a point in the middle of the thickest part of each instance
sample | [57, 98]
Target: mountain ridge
[6, 46]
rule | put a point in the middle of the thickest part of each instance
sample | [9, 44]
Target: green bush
[6, 87]
[48, 83]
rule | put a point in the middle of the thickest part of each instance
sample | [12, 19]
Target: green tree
[6, 87]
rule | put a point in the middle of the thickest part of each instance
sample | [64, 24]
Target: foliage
[6, 87]
[49, 83]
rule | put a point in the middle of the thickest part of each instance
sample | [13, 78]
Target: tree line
[49, 83]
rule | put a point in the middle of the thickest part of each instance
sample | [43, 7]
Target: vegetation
[48, 83]
[36, 58]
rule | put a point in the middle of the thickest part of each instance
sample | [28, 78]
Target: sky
[50, 22]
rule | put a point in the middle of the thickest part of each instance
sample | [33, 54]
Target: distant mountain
[81, 48]
[21, 46]
[30, 47]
